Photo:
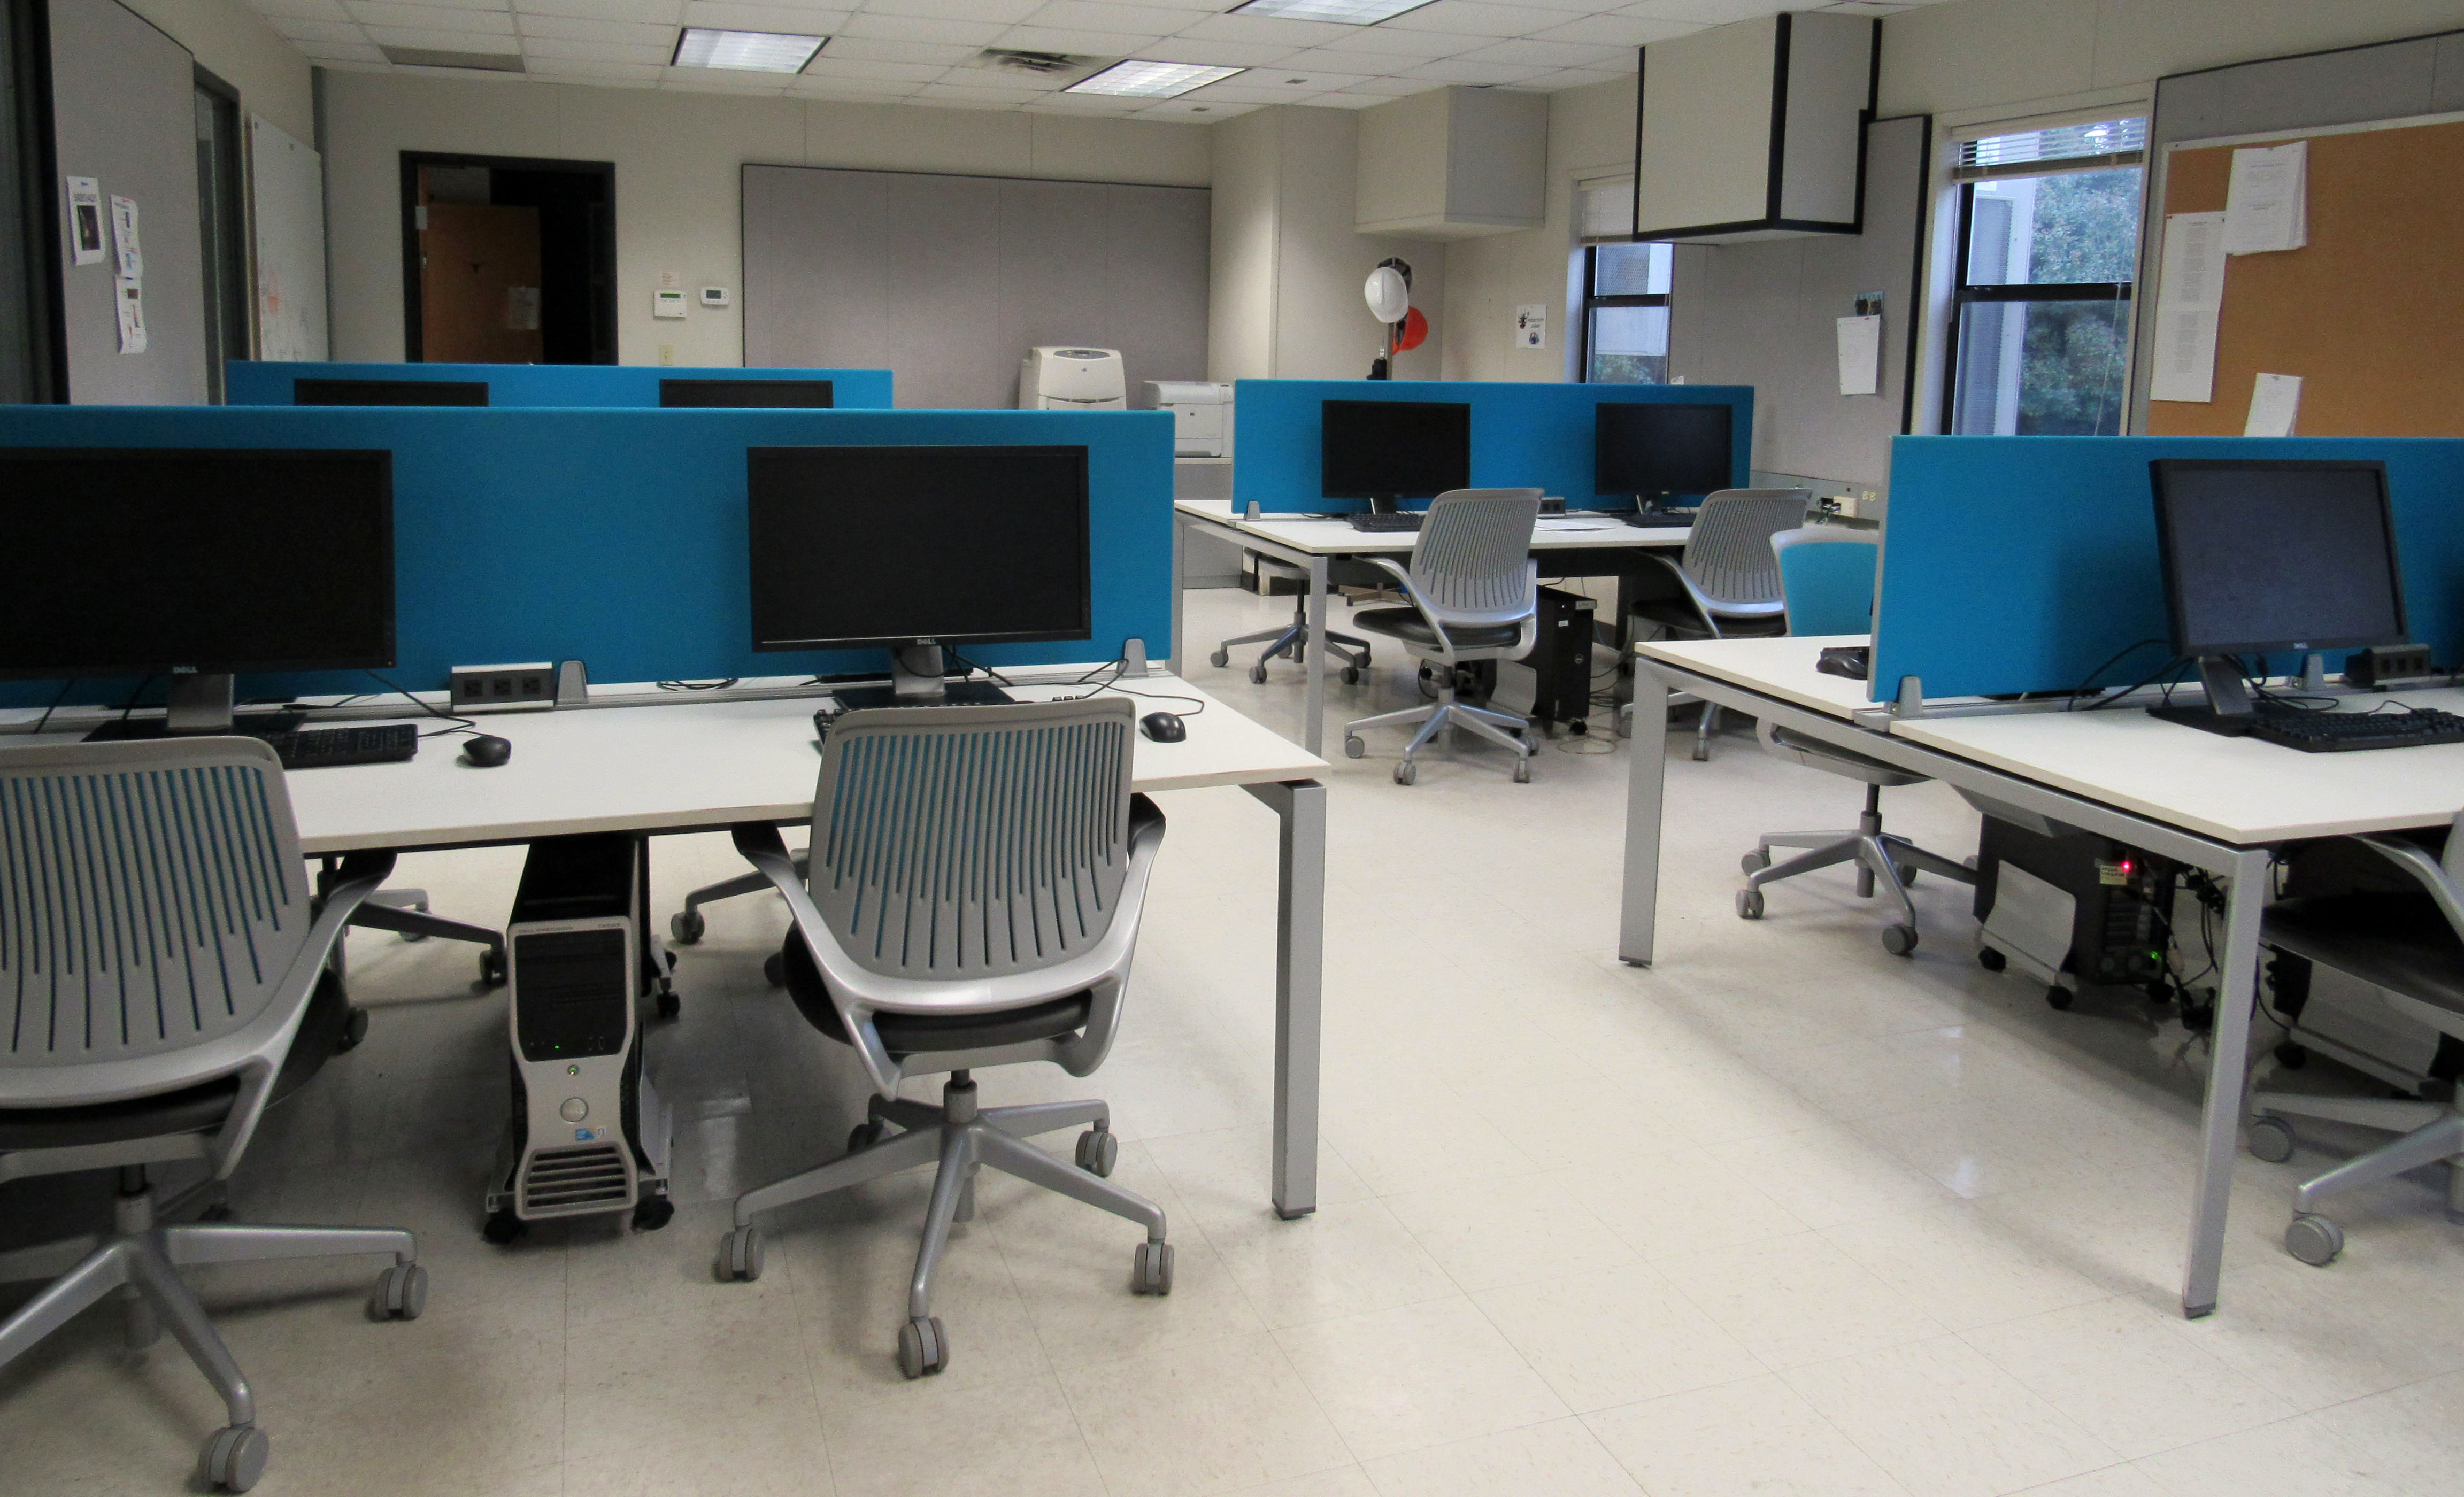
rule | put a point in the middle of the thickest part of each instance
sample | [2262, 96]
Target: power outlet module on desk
[2383, 665]
[495, 688]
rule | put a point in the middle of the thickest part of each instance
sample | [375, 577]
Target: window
[1625, 313]
[2048, 238]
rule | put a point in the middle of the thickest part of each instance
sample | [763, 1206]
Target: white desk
[2215, 804]
[1310, 543]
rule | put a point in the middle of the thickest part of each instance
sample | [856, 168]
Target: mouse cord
[460, 724]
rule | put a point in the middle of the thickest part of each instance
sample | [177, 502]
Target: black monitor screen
[1657, 448]
[388, 392]
[1373, 448]
[888, 545]
[2262, 555]
[132, 561]
[748, 395]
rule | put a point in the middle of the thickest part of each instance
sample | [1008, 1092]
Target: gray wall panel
[948, 281]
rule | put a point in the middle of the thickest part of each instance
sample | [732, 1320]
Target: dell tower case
[1561, 660]
[588, 1133]
[2073, 910]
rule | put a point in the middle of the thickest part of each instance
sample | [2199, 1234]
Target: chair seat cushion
[2393, 940]
[918, 1034]
[1407, 626]
[1679, 617]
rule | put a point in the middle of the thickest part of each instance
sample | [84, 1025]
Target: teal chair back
[1827, 580]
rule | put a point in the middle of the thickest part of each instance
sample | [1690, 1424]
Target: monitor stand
[2229, 712]
[917, 680]
[1385, 504]
[199, 706]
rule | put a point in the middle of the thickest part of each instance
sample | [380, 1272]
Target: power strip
[504, 687]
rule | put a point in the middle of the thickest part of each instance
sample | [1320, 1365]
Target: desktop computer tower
[1561, 659]
[2071, 909]
[588, 1133]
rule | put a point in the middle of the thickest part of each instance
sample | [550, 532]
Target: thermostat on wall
[715, 296]
[667, 303]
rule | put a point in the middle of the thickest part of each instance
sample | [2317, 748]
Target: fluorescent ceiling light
[1151, 79]
[1350, 13]
[750, 52]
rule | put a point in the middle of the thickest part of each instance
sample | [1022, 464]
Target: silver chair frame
[1726, 578]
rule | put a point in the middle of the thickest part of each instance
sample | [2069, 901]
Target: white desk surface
[1781, 667]
[687, 764]
[1338, 537]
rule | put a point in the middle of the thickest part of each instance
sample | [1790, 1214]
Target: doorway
[508, 260]
[222, 224]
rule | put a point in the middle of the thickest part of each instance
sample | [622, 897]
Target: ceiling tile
[866, 90]
[1394, 87]
[982, 97]
[794, 20]
[294, 27]
[599, 50]
[464, 5]
[1183, 110]
[565, 28]
[920, 28]
[442, 41]
[1473, 18]
[669, 11]
[1457, 71]
[1543, 54]
[1349, 100]
[1084, 17]
[1251, 29]
[305, 9]
[1618, 30]
[856, 49]
[1094, 44]
[1573, 77]
[1327, 59]
[1387, 41]
[433, 19]
[1708, 12]
[870, 71]
[574, 70]
[340, 52]
[1213, 53]
[1008, 13]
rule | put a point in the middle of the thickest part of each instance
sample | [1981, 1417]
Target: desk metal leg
[1300, 950]
[2228, 1073]
[1647, 788]
[1314, 702]
[1177, 655]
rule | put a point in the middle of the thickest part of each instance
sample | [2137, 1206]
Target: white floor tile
[1795, 1300]
[2294, 1458]
[2127, 1377]
[1512, 1231]
[2413, 1435]
[1399, 1379]
[1947, 1423]
[1207, 1417]
[1754, 1435]
[1560, 1458]
[1615, 1336]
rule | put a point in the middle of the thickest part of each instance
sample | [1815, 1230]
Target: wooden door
[478, 284]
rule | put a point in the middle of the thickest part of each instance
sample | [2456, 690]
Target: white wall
[1288, 267]
[233, 43]
[677, 189]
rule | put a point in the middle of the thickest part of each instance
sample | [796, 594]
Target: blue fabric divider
[2023, 563]
[1523, 435]
[594, 535]
[259, 382]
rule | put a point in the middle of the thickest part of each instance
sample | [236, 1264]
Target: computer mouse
[1163, 727]
[487, 750]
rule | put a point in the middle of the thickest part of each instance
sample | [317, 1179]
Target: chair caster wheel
[1258, 673]
[355, 1031]
[1406, 772]
[503, 1227]
[2058, 995]
[1702, 753]
[492, 968]
[407, 936]
[1220, 660]
[236, 1457]
[1522, 770]
[1098, 1151]
[2271, 1138]
[2292, 1056]
[774, 970]
[670, 1003]
[1150, 1269]
[1899, 939]
[1907, 874]
[1990, 959]
[923, 1347]
[739, 1255]
[864, 1135]
[1755, 861]
[1351, 676]
[1352, 747]
[2313, 1240]
[652, 1212]
[686, 926]
[401, 1293]
[1750, 903]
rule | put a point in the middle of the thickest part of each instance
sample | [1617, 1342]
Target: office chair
[1292, 641]
[1473, 590]
[1827, 576]
[164, 979]
[977, 878]
[1728, 578]
[2410, 945]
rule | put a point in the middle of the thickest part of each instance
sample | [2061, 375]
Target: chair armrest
[1694, 596]
[2423, 870]
[766, 850]
[1529, 625]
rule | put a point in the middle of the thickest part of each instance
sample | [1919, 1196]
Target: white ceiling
[924, 52]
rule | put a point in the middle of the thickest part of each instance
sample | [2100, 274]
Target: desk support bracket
[1300, 964]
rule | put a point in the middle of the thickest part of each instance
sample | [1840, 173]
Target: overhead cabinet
[1453, 163]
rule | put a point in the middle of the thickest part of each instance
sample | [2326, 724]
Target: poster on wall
[85, 221]
[1532, 326]
[124, 238]
[130, 294]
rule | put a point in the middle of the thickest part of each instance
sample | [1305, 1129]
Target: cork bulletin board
[2369, 313]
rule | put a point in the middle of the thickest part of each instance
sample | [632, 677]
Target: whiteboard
[288, 183]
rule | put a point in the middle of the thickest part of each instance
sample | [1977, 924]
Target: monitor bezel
[2159, 469]
[1086, 628]
[383, 459]
[1326, 491]
[486, 401]
[667, 383]
[1601, 419]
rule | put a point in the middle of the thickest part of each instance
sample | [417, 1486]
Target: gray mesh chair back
[1471, 564]
[972, 842]
[1728, 557]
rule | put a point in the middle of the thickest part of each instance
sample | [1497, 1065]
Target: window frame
[1591, 299]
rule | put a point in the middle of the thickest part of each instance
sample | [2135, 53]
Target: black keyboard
[313, 748]
[1387, 522]
[2334, 732]
[1661, 520]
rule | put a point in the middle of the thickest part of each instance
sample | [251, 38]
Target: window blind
[2094, 146]
[1604, 210]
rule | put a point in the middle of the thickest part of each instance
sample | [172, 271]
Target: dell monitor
[1653, 450]
[912, 548]
[390, 393]
[1383, 450]
[2264, 555]
[749, 394]
[193, 564]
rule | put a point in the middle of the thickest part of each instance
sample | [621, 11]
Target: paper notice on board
[1860, 356]
[2267, 205]
[124, 238]
[2189, 296]
[130, 294]
[85, 222]
[2274, 404]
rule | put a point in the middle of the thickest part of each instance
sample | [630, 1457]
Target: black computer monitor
[916, 547]
[749, 394]
[193, 564]
[388, 392]
[1388, 449]
[1658, 449]
[2264, 555]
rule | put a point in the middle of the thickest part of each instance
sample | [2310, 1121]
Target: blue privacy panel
[1523, 436]
[565, 384]
[619, 540]
[2022, 564]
